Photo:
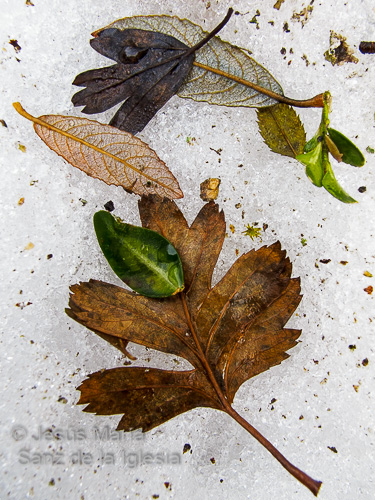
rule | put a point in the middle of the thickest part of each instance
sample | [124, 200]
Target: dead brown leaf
[106, 153]
[228, 333]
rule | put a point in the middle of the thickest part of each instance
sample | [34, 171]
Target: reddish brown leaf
[105, 153]
[229, 333]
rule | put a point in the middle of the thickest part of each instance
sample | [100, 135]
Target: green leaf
[312, 143]
[314, 164]
[146, 261]
[282, 130]
[350, 153]
[332, 186]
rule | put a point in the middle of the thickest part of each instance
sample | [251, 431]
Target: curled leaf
[332, 148]
[143, 259]
[313, 162]
[106, 153]
[330, 183]
[144, 83]
[282, 130]
[349, 152]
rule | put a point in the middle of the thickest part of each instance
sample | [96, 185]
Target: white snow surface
[324, 391]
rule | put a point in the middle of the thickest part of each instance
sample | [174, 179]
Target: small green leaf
[350, 153]
[142, 258]
[282, 130]
[314, 165]
[312, 143]
[332, 186]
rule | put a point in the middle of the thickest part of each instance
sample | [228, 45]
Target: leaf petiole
[310, 483]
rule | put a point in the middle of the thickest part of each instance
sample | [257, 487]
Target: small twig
[216, 30]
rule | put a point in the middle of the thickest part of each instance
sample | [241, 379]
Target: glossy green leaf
[146, 261]
[350, 153]
[314, 164]
[332, 186]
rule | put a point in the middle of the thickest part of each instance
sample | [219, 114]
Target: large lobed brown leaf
[229, 332]
[236, 327]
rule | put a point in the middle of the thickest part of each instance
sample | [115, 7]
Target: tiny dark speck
[325, 261]
[187, 447]
[362, 189]
[109, 206]
[365, 362]
[15, 44]
[332, 448]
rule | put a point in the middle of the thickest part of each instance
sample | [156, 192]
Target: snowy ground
[323, 416]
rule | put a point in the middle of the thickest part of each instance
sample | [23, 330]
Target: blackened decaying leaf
[229, 332]
[140, 80]
[150, 69]
[222, 73]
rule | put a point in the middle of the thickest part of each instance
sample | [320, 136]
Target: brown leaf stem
[314, 102]
[202, 356]
[216, 30]
[310, 483]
